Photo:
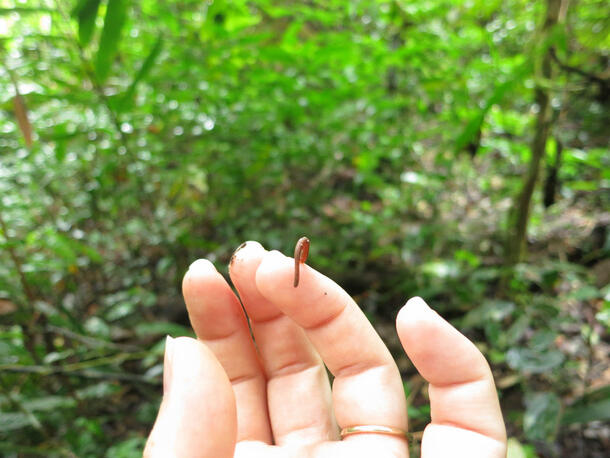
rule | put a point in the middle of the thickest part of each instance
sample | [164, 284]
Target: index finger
[367, 389]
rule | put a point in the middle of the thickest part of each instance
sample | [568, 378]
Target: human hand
[231, 397]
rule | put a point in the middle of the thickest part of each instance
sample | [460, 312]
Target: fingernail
[167, 365]
[235, 253]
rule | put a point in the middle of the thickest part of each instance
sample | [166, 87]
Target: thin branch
[569, 68]
[89, 341]
[86, 373]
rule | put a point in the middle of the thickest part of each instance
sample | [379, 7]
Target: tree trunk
[516, 245]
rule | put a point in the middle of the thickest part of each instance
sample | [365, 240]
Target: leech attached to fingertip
[301, 250]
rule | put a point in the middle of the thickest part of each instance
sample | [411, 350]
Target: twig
[86, 373]
[90, 341]
[569, 68]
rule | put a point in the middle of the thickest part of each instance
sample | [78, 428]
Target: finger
[293, 368]
[465, 411]
[219, 321]
[367, 389]
[198, 403]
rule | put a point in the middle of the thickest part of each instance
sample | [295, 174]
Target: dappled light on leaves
[452, 150]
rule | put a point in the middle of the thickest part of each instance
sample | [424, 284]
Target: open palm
[271, 396]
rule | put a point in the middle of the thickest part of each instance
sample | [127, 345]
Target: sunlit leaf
[23, 11]
[515, 449]
[493, 310]
[114, 21]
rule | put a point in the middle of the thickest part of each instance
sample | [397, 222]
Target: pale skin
[226, 396]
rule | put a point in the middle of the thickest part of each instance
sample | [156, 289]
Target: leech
[301, 250]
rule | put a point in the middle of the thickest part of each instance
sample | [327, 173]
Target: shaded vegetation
[456, 150]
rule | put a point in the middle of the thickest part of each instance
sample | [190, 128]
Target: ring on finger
[372, 429]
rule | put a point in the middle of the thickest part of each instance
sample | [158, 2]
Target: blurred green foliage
[138, 136]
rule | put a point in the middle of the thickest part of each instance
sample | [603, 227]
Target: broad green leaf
[542, 414]
[594, 406]
[494, 310]
[517, 329]
[596, 411]
[86, 13]
[532, 361]
[116, 15]
[10, 421]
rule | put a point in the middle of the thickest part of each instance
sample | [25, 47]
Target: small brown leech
[301, 250]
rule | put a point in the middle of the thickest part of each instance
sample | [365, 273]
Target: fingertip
[414, 311]
[197, 374]
[201, 265]
[272, 267]
[199, 273]
[190, 355]
[199, 401]
[437, 349]
[245, 251]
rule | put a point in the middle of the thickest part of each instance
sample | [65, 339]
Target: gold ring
[372, 429]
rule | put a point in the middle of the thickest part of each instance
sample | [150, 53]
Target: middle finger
[367, 389]
[298, 390]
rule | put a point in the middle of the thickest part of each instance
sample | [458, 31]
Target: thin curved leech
[301, 250]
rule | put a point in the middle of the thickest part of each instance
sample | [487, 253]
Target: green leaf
[147, 65]
[515, 449]
[161, 328]
[492, 310]
[130, 448]
[47, 403]
[541, 417]
[596, 411]
[532, 361]
[98, 390]
[86, 13]
[441, 269]
[10, 421]
[474, 125]
[594, 406]
[116, 15]
[22, 11]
